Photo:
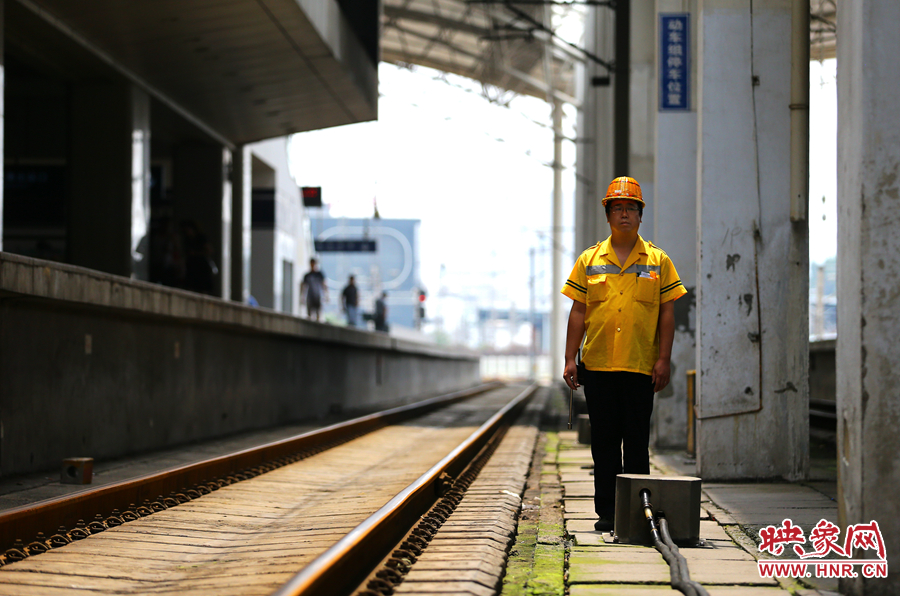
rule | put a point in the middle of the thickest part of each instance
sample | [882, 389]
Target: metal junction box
[677, 496]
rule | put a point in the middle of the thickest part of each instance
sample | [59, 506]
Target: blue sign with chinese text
[674, 61]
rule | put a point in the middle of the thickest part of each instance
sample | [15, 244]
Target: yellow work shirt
[622, 304]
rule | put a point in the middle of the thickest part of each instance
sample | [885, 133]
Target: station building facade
[382, 255]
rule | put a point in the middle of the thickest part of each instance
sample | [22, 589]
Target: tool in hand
[571, 403]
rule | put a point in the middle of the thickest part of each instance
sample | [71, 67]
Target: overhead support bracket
[539, 26]
[607, 3]
[517, 74]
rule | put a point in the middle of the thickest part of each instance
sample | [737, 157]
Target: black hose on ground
[679, 576]
[685, 572]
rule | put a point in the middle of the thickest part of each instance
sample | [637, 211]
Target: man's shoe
[603, 525]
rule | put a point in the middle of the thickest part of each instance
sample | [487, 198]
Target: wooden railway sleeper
[41, 544]
[406, 554]
[393, 571]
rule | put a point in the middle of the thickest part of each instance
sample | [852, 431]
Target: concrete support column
[203, 195]
[240, 224]
[109, 169]
[752, 286]
[675, 229]
[868, 261]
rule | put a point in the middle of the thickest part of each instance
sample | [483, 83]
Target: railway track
[315, 514]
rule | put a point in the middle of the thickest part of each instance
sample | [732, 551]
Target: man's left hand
[660, 375]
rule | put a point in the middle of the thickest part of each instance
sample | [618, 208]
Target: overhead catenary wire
[527, 153]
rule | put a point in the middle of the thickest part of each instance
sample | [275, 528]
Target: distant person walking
[381, 312]
[313, 289]
[350, 301]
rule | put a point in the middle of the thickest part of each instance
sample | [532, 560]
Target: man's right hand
[570, 375]
[574, 335]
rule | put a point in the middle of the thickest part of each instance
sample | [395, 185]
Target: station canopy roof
[823, 29]
[243, 70]
[248, 70]
[510, 47]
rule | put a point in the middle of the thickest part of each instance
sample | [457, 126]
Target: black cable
[685, 572]
[679, 576]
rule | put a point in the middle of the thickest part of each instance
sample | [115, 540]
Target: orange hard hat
[624, 187]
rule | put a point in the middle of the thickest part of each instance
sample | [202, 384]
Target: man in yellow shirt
[624, 291]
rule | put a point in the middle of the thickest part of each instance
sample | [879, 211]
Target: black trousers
[619, 405]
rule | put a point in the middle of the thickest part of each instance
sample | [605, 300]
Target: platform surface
[731, 516]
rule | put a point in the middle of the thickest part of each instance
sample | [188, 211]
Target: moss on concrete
[548, 575]
[537, 562]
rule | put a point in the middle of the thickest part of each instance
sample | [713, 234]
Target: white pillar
[752, 315]
[240, 224]
[868, 371]
[675, 208]
[558, 330]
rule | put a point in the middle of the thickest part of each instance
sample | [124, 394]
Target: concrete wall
[752, 275]
[100, 366]
[868, 264]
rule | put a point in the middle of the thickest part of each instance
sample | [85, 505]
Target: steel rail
[27, 521]
[343, 567]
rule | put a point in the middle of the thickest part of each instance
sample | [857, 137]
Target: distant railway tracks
[314, 514]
